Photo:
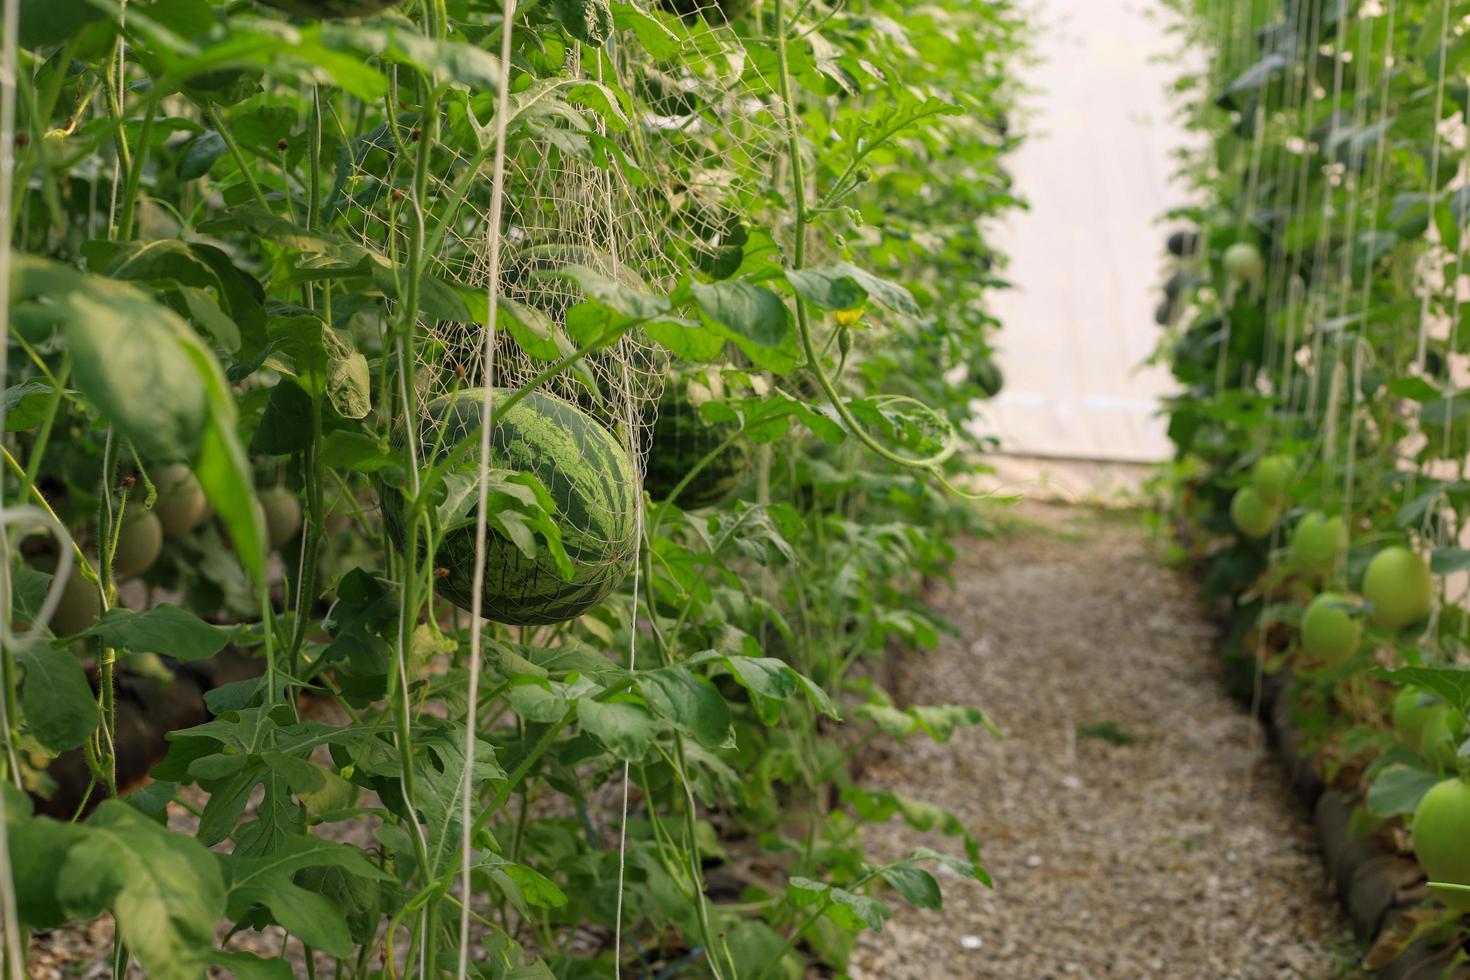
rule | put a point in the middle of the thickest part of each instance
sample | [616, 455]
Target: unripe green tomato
[1252, 516]
[139, 542]
[181, 505]
[1399, 585]
[1411, 711]
[1318, 544]
[1441, 831]
[1270, 477]
[1330, 631]
[79, 607]
[1243, 262]
[282, 514]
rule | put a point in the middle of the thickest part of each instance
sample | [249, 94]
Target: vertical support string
[482, 515]
[12, 951]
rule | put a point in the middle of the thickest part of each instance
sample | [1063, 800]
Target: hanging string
[482, 510]
[1439, 86]
[1423, 266]
[11, 948]
[1258, 137]
[630, 432]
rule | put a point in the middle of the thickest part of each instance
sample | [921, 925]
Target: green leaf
[349, 383]
[316, 786]
[26, 404]
[691, 703]
[199, 154]
[689, 340]
[129, 360]
[966, 869]
[754, 312]
[38, 849]
[1450, 683]
[523, 885]
[625, 729]
[310, 917]
[248, 966]
[843, 286]
[163, 888]
[59, 706]
[1447, 561]
[286, 424]
[589, 21]
[653, 36]
[914, 884]
[344, 449]
[165, 629]
[225, 474]
[849, 910]
[46, 22]
[627, 300]
[1398, 789]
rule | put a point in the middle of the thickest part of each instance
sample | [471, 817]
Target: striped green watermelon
[588, 474]
[678, 439]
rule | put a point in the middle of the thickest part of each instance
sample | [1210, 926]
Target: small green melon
[139, 543]
[1252, 516]
[1399, 585]
[1330, 629]
[1318, 544]
[1441, 829]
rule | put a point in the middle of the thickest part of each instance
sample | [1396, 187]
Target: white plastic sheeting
[1087, 258]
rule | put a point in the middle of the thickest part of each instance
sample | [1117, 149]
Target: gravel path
[1174, 854]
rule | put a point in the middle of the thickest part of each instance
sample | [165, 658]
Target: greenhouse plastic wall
[1087, 255]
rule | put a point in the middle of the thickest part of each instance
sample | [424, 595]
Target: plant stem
[236, 154]
[798, 261]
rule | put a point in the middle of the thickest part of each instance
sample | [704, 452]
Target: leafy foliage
[255, 244]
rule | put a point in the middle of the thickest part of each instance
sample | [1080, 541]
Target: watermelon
[588, 474]
[986, 375]
[678, 438]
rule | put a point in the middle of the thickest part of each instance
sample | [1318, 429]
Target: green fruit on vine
[79, 606]
[139, 542]
[1412, 708]
[181, 505]
[678, 439]
[589, 475]
[330, 9]
[1330, 630]
[1243, 262]
[1399, 585]
[1182, 243]
[1318, 544]
[986, 375]
[1252, 516]
[282, 510]
[1441, 831]
[1270, 477]
[1441, 735]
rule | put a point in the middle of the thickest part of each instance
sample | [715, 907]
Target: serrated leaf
[916, 885]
